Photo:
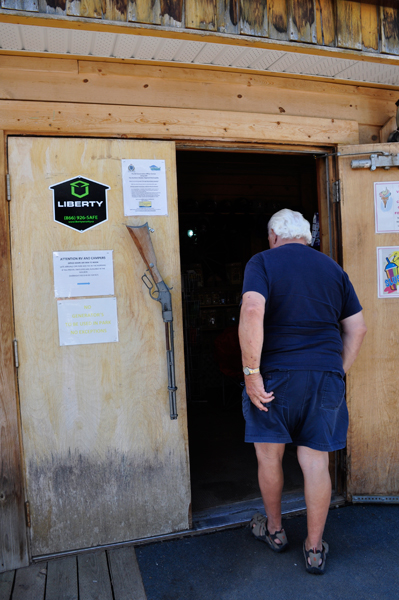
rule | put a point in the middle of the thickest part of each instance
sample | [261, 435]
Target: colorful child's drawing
[391, 273]
[385, 195]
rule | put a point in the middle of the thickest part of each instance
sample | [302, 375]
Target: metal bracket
[336, 191]
[8, 187]
[366, 498]
[16, 357]
[376, 161]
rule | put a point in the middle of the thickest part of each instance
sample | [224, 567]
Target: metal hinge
[382, 160]
[16, 358]
[27, 514]
[336, 191]
[8, 187]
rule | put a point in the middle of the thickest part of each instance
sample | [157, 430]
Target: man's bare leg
[314, 465]
[271, 481]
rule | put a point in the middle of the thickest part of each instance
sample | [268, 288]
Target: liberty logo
[80, 203]
[80, 186]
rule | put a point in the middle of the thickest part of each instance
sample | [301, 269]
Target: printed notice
[144, 187]
[88, 273]
[388, 271]
[386, 204]
[88, 321]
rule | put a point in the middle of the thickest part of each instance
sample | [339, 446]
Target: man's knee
[309, 458]
[268, 452]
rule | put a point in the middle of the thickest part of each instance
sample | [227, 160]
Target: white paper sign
[144, 187]
[88, 321]
[386, 204]
[388, 271]
[88, 273]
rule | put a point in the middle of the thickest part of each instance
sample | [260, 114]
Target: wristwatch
[248, 371]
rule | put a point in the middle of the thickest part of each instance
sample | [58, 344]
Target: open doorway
[225, 202]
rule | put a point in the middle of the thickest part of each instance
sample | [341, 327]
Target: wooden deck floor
[104, 575]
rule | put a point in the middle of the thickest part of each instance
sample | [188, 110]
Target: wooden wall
[43, 95]
[369, 26]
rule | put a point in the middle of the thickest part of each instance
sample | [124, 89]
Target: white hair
[290, 225]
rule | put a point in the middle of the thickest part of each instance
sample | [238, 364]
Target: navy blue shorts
[308, 409]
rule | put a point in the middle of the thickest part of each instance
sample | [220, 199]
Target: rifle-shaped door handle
[160, 292]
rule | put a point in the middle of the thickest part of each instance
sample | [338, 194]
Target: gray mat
[231, 565]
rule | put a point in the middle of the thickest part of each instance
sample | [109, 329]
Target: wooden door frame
[13, 515]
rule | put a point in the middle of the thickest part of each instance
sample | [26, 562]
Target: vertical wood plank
[303, 21]
[13, 540]
[325, 22]
[278, 19]
[6, 583]
[172, 13]
[94, 580]
[125, 573]
[370, 27]
[143, 11]
[254, 18]
[201, 14]
[227, 16]
[349, 29]
[53, 6]
[27, 5]
[115, 10]
[62, 579]
[30, 583]
[389, 30]
[86, 8]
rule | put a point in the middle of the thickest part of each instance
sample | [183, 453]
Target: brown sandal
[259, 530]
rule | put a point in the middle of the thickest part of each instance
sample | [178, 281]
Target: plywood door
[373, 381]
[104, 462]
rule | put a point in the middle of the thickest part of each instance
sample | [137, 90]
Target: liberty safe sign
[80, 203]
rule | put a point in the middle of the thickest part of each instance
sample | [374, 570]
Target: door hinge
[336, 191]
[8, 187]
[16, 358]
[27, 514]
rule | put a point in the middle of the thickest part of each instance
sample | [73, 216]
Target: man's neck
[283, 241]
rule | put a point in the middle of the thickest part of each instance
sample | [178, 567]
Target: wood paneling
[372, 382]
[303, 21]
[125, 574]
[172, 13]
[201, 14]
[62, 579]
[13, 538]
[93, 9]
[370, 27]
[278, 19]
[30, 583]
[110, 83]
[357, 25]
[325, 22]
[253, 14]
[144, 11]
[94, 583]
[104, 461]
[349, 25]
[227, 16]
[390, 30]
[169, 123]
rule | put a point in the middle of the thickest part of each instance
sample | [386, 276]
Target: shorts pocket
[277, 382]
[333, 391]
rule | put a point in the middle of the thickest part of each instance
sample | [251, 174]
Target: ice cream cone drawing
[384, 195]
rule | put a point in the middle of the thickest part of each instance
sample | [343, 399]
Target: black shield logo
[80, 203]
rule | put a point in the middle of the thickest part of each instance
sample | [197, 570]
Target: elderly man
[294, 358]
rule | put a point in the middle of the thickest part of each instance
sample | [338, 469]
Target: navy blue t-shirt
[307, 294]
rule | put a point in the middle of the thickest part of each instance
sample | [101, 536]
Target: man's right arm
[251, 341]
[353, 331]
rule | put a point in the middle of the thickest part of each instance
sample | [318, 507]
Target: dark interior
[225, 202]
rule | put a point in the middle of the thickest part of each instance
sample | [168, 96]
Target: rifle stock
[142, 239]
